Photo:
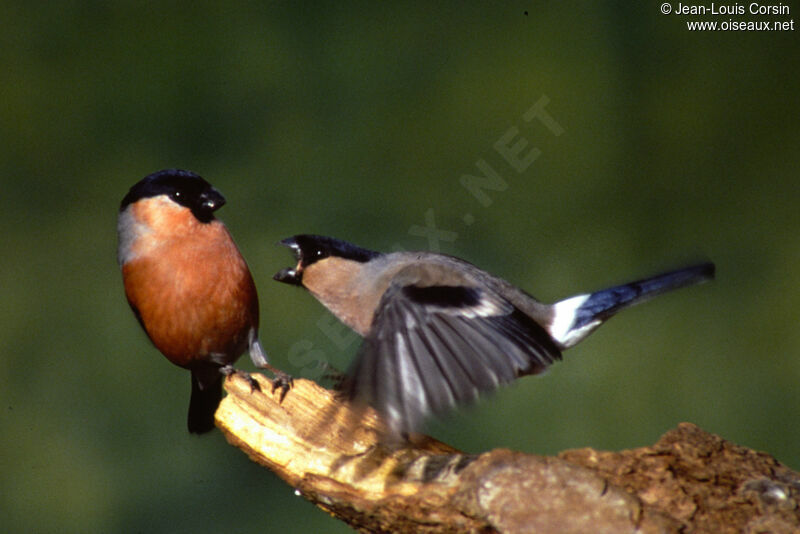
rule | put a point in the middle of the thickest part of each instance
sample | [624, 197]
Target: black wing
[433, 348]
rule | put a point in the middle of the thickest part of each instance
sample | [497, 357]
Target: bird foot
[283, 381]
[338, 378]
[229, 370]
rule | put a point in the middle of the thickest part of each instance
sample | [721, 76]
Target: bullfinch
[188, 284]
[438, 331]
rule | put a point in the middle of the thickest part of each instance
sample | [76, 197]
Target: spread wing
[432, 348]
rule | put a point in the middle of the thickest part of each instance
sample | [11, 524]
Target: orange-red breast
[188, 284]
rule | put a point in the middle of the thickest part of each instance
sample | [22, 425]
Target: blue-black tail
[576, 317]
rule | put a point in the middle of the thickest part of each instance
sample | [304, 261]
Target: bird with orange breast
[189, 285]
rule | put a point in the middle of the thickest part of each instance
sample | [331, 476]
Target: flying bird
[438, 331]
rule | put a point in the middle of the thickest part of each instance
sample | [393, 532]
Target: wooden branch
[330, 452]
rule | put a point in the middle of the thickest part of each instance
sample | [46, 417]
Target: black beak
[211, 200]
[290, 275]
[292, 243]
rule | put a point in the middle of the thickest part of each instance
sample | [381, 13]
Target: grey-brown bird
[438, 331]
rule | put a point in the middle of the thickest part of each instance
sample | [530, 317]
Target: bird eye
[176, 195]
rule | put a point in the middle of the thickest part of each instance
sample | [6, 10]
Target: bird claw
[229, 370]
[339, 379]
[254, 385]
[283, 381]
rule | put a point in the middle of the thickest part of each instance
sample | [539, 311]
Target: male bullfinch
[189, 285]
[438, 331]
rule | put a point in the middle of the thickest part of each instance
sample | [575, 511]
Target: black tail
[576, 317]
[206, 395]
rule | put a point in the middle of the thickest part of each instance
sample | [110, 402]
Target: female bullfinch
[438, 331]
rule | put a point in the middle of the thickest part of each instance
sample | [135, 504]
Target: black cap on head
[309, 249]
[312, 248]
[183, 187]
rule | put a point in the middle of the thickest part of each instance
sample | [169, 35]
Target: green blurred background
[355, 121]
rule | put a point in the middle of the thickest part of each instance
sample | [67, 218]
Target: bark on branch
[329, 451]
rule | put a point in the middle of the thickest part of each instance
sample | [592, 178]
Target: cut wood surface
[332, 454]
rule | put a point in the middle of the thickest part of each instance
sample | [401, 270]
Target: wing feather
[431, 348]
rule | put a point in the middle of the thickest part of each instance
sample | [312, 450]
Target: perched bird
[189, 285]
[438, 331]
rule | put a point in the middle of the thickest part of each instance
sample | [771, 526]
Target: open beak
[289, 275]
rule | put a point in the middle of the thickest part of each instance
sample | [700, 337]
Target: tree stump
[331, 452]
